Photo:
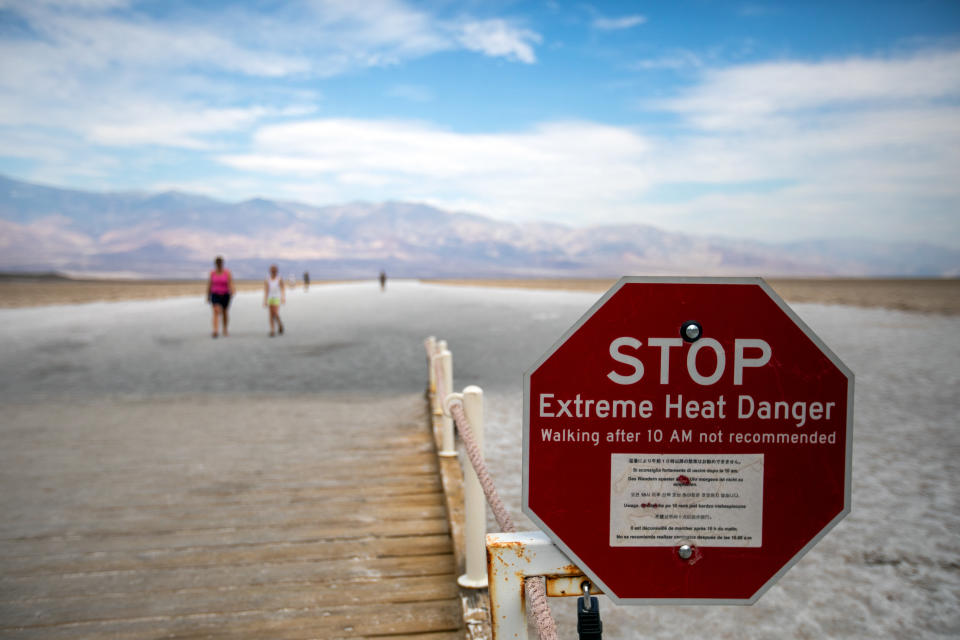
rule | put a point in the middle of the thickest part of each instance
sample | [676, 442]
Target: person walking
[274, 294]
[383, 280]
[219, 291]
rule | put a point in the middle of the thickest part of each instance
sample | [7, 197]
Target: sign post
[687, 440]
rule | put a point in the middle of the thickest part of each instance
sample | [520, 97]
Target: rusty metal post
[511, 558]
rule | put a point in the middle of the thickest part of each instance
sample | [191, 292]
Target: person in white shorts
[274, 294]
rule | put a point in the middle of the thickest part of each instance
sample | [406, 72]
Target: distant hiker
[306, 280]
[219, 290]
[274, 294]
[383, 280]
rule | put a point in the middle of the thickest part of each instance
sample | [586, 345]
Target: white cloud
[349, 35]
[623, 22]
[117, 81]
[84, 5]
[498, 38]
[320, 38]
[75, 42]
[553, 169]
[872, 163]
[857, 145]
[744, 96]
[411, 92]
[680, 59]
[182, 127]
[121, 77]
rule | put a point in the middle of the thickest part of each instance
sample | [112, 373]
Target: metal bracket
[513, 557]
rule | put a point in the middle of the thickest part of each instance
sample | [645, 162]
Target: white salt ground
[890, 570]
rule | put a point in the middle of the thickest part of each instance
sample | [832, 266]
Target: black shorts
[220, 299]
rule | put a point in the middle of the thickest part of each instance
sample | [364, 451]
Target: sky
[774, 121]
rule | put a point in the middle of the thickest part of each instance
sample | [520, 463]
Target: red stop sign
[687, 440]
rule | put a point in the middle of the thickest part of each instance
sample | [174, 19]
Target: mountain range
[176, 235]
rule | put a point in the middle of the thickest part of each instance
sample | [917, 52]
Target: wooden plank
[115, 529]
[156, 580]
[136, 520]
[226, 494]
[350, 621]
[233, 554]
[44, 612]
[171, 475]
[299, 484]
[214, 536]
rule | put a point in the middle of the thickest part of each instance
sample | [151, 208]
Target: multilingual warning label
[662, 500]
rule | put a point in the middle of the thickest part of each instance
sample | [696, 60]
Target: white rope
[535, 587]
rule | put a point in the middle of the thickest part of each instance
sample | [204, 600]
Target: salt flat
[889, 570]
[340, 339]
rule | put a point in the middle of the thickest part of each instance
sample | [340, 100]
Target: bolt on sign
[687, 440]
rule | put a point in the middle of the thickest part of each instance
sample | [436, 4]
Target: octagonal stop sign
[687, 440]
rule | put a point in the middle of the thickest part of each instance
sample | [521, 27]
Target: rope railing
[535, 587]
[452, 404]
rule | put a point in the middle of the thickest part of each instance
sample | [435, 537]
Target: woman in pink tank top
[219, 290]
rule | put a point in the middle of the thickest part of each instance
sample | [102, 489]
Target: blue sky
[776, 121]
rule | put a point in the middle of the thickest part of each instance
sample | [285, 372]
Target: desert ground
[108, 403]
[29, 292]
[927, 295]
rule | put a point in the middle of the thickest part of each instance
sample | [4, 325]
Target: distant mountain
[174, 234]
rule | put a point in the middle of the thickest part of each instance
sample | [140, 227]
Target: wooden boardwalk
[224, 517]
